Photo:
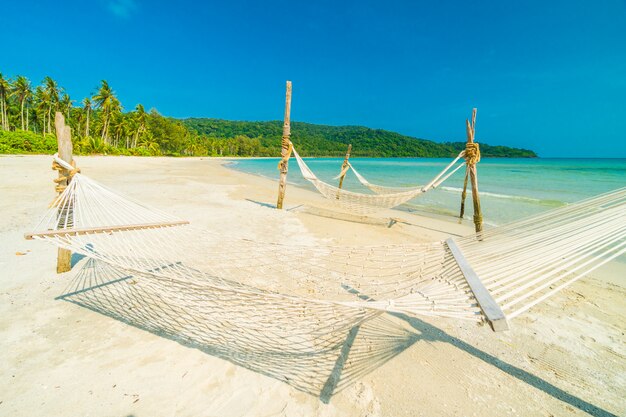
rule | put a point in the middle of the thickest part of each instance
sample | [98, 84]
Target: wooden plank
[90, 230]
[65, 150]
[285, 149]
[491, 309]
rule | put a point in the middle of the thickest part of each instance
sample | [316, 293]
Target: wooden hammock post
[64, 144]
[472, 157]
[285, 149]
[345, 165]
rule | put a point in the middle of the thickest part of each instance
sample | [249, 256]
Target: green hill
[100, 126]
[321, 140]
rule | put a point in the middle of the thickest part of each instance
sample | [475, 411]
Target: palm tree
[87, 108]
[66, 104]
[79, 117]
[120, 128]
[105, 100]
[4, 93]
[52, 90]
[22, 90]
[115, 111]
[42, 99]
[140, 119]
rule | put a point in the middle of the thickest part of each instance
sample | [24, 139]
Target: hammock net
[266, 300]
[385, 197]
[517, 262]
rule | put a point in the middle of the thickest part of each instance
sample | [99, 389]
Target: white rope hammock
[385, 197]
[302, 290]
[381, 189]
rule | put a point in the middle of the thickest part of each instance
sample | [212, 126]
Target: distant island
[323, 140]
[100, 126]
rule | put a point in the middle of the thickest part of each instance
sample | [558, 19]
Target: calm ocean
[509, 188]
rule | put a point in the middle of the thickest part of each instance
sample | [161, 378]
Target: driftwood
[472, 156]
[64, 145]
[345, 165]
[283, 166]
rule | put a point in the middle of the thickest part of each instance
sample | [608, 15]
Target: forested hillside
[100, 125]
[322, 140]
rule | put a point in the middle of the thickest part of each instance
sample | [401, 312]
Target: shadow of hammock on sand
[430, 333]
[319, 372]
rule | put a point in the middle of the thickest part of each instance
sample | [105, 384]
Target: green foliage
[496, 151]
[27, 142]
[321, 140]
[100, 126]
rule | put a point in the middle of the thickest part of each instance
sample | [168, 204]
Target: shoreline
[576, 158]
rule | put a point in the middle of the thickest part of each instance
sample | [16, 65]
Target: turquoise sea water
[509, 188]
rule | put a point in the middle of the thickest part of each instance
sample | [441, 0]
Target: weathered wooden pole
[472, 157]
[344, 167]
[285, 149]
[64, 144]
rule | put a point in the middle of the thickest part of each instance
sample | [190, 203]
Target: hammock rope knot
[63, 180]
[472, 153]
[282, 164]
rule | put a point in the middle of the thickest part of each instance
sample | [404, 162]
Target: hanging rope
[367, 203]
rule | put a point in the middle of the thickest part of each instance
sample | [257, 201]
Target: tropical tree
[41, 107]
[106, 101]
[52, 90]
[87, 108]
[66, 105]
[116, 111]
[147, 142]
[4, 94]
[140, 123]
[22, 91]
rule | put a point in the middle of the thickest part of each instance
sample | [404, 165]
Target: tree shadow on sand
[321, 370]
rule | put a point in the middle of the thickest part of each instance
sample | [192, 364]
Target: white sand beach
[566, 356]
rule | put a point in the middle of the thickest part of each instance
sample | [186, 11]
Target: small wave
[510, 197]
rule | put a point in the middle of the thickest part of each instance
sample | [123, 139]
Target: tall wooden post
[64, 144]
[285, 149]
[345, 166]
[472, 157]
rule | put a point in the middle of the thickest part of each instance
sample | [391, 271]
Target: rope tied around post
[472, 157]
[282, 164]
[64, 179]
[472, 153]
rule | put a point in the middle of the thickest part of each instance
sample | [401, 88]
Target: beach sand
[567, 356]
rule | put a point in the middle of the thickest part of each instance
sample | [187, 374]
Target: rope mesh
[386, 197]
[518, 263]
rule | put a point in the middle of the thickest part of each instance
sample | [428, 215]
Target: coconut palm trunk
[22, 113]
[87, 125]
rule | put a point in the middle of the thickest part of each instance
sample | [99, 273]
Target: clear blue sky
[546, 75]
